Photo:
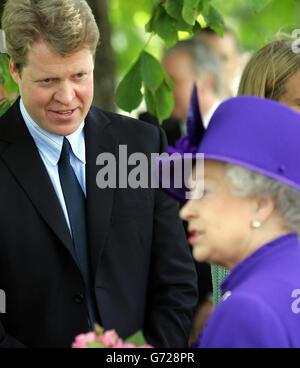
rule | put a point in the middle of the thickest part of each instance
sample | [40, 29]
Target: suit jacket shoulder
[131, 131]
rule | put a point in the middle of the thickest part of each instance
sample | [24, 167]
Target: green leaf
[95, 345]
[215, 20]
[149, 25]
[152, 72]
[164, 101]
[190, 11]
[156, 13]
[99, 330]
[6, 79]
[129, 95]
[160, 103]
[174, 8]
[136, 339]
[259, 5]
[205, 6]
[197, 28]
[201, 4]
[168, 81]
[181, 25]
[150, 102]
[5, 104]
[166, 29]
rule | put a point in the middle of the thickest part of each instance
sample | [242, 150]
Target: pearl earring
[256, 224]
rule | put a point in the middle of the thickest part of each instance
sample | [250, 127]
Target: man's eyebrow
[38, 79]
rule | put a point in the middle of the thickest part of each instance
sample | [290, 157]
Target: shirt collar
[209, 114]
[50, 144]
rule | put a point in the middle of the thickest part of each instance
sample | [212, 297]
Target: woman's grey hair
[246, 182]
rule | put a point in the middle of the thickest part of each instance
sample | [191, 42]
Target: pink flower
[81, 340]
[110, 338]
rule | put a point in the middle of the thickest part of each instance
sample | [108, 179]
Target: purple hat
[256, 133]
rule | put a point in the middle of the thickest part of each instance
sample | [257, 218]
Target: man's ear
[14, 72]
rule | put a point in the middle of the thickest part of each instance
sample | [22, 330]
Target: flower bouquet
[109, 339]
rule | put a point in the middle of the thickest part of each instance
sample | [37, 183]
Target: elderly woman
[272, 72]
[248, 220]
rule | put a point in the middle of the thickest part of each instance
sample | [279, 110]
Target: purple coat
[261, 301]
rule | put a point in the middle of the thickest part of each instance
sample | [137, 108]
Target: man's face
[178, 66]
[227, 49]
[57, 91]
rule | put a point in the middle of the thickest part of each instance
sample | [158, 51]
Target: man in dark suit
[73, 253]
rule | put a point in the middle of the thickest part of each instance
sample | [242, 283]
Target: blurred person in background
[233, 61]
[188, 62]
[192, 62]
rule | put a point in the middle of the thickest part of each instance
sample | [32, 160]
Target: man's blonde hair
[269, 69]
[65, 25]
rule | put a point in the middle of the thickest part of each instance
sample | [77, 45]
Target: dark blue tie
[76, 207]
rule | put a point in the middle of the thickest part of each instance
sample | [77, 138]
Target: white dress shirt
[49, 146]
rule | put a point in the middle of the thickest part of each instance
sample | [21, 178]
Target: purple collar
[260, 256]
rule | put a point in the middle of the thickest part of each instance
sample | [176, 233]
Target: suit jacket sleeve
[173, 280]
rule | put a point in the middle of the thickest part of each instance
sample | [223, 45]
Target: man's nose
[65, 93]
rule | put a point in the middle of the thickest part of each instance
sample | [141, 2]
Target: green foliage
[146, 72]
[160, 103]
[164, 101]
[214, 19]
[259, 5]
[190, 11]
[129, 91]
[173, 8]
[137, 339]
[257, 22]
[163, 25]
[7, 84]
[151, 71]
[146, 78]
[168, 17]
[129, 36]
[95, 345]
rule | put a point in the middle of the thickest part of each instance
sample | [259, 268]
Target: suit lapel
[99, 138]
[24, 162]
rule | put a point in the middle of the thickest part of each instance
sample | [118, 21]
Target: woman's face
[291, 96]
[219, 223]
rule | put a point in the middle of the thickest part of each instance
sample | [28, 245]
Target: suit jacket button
[79, 298]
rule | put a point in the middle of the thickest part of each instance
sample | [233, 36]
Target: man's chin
[63, 129]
